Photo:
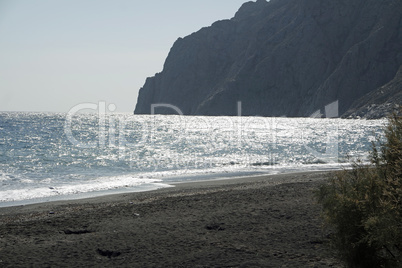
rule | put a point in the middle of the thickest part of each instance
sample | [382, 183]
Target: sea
[60, 156]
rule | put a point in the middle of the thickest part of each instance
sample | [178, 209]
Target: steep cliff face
[380, 102]
[281, 58]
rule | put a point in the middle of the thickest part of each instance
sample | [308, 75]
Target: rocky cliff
[285, 58]
[380, 102]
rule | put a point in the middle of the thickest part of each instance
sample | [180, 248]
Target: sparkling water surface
[45, 156]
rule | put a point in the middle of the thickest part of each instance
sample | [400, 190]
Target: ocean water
[51, 156]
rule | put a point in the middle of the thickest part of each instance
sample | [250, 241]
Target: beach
[263, 221]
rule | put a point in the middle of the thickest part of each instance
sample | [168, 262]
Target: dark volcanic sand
[269, 221]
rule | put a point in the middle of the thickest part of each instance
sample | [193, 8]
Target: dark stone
[215, 227]
[108, 253]
[284, 58]
[76, 232]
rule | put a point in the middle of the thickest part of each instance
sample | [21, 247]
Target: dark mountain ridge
[284, 58]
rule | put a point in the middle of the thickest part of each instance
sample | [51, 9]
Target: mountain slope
[380, 102]
[281, 58]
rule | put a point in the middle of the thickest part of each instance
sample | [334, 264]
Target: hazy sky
[55, 54]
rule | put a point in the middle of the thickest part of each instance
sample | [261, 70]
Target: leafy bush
[364, 205]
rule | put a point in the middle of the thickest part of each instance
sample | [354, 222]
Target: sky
[57, 54]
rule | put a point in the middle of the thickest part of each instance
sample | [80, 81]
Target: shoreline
[218, 180]
[258, 221]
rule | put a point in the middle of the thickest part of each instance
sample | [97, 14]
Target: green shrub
[364, 205]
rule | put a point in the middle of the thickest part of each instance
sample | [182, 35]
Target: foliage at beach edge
[364, 205]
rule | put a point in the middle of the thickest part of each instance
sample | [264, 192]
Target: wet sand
[266, 221]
